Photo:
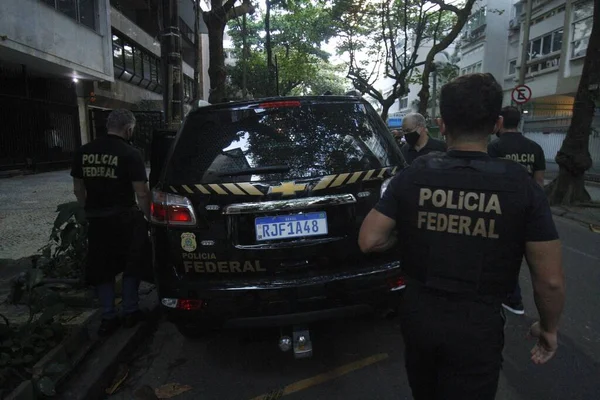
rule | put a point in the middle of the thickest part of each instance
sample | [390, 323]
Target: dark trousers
[453, 348]
[515, 296]
[118, 243]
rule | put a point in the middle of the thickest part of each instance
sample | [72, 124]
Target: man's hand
[546, 346]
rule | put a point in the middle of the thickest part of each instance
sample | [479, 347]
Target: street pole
[525, 43]
[524, 53]
[171, 63]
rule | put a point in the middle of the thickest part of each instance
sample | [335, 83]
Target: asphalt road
[363, 359]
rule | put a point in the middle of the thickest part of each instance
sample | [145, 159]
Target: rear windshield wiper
[272, 169]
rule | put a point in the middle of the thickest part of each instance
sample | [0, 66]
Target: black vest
[462, 223]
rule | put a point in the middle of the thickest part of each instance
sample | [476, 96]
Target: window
[547, 15]
[118, 60]
[68, 7]
[146, 72]
[87, 13]
[582, 28]
[128, 50]
[472, 69]
[134, 64]
[477, 19]
[547, 44]
[83, 11]
[512, 67]
[138, 66]
[312, 140]
[403, 103]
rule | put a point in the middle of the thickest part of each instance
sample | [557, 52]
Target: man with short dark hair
[416, 136]
[512, 145]
[108, 174]
[465, 221]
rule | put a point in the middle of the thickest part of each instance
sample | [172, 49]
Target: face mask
[412, 138]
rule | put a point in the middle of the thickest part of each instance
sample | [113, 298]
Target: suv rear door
[272, 191]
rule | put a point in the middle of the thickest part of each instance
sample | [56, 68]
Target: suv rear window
[294, 141]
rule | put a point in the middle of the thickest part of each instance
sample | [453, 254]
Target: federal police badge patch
[188, 241]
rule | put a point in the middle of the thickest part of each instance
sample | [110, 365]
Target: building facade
[492, 42]
[558, 38]
[64, 64]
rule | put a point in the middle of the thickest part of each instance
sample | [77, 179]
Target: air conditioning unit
[514, 23]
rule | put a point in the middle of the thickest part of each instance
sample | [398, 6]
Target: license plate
[291, 226]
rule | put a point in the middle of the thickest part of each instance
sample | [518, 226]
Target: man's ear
[441, 125]
[499, 127]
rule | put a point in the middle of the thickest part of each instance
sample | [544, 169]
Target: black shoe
[131, 320]
[514, 307]
[108, 326]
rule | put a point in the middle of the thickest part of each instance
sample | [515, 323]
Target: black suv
[257, 208]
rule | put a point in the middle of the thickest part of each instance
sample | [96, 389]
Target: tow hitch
[300, 342]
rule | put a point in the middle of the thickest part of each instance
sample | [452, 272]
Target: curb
[561, 212]
[60, 361]
[97, 370]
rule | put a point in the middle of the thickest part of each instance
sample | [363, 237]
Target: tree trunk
[574, 157]
[424, 92]
[244, 58]
[462, 17]
[270, 66]
[216, 64]
[385, 108]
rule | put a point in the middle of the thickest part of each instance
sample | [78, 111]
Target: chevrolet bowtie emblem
[288, 188]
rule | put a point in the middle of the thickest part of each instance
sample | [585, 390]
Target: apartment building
[492, 42]
[64, 64]
[558, 38]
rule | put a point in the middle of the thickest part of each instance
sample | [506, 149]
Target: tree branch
[245, 8]
[446, 7]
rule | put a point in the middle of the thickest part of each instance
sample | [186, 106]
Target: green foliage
[21, 347]
[64, 256]
[298, 29]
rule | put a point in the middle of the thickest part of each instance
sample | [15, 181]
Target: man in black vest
[418, 142]
[108, 174]
[462, 222]
[511, 144]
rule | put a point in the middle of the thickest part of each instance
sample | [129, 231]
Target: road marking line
[322, 378]
[574, 250]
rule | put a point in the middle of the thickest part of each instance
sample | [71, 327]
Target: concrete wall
[34, 31]
[121, 23]
[496, 38]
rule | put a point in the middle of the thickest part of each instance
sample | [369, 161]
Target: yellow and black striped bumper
[286, 188]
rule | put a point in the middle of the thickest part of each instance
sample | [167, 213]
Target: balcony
[57, 40]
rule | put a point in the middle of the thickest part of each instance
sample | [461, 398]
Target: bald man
[418, 141]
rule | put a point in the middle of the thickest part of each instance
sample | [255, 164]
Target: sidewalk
[593, 174]
[584, 215]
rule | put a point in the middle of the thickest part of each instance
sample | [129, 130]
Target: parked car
[256, 213]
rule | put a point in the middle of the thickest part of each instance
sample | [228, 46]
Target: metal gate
[39, 120]
[548, 123]
[146, 123]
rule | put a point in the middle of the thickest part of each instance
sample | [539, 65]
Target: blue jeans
[515, 296]
[106, 295]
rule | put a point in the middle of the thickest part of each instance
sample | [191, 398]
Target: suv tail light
[171, 209]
